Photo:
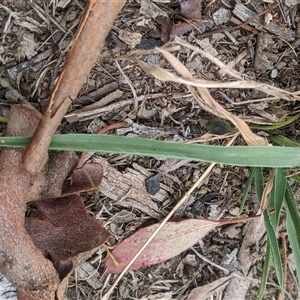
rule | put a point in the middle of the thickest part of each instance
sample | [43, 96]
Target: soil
[35, 40]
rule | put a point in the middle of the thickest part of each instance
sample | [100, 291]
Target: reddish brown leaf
[171, 240]
[86, 178]
[68, 229]
[183, 234]
[190, 9]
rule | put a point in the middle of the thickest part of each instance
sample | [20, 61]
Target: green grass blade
[293, 226]
[294, 243]
[278, 194]
[289, 121]
[235, 155]
[247, 188]
[296, 177]
[274, 247]
[290, 204]
[265, 273]
[258, 182]
[283, 141]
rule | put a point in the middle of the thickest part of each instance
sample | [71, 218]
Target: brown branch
[24, 265]
[20, 261]
[95, 26]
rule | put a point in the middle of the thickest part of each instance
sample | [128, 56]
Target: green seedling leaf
[296, 177]
[219, 126]
[171, 240]
[254, 156]
[247, 188]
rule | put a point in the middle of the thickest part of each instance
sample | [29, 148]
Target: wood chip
[128, 189]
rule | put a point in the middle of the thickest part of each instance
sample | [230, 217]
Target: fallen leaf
[208, 290]
[86, 178]
[67, 228]
[191, 10]
[267, 190]
[218, 126]
[183, 234]
[151, 10]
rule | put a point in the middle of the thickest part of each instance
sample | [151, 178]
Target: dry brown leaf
[85, 178]
[267, 190]
[208, 290]
[18, 187]
[191, 10]
[66, 228]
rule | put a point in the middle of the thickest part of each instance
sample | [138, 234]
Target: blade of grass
[293, 226]
[254, 156]
[294, 243]
[289, 121]
[259, 182]
[265, 273]
[283, 141]
[296, 177]
[278, 193]
[247, 188]
[274, 247]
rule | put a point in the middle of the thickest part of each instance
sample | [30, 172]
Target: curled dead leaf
[86, 178]
[191, 11]
[66, 229]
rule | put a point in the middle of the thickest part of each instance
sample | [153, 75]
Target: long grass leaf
[287, 122]
[283, 141]
[246, 190]
[265, 273]
[293, 226]
[255, 156]
[293, 236]
[279, 188]
[274, 247]
[259, 182]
